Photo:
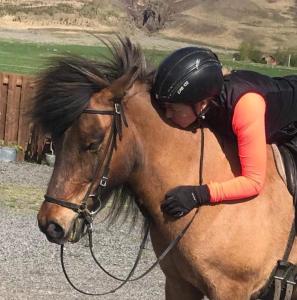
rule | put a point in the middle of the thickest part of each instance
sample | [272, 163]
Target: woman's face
[182, 114]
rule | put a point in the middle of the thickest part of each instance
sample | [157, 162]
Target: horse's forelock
[63, 91]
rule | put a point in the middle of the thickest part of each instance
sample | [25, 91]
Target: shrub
[282, 56]
[250, 51]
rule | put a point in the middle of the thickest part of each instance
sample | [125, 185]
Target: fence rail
[16, 128]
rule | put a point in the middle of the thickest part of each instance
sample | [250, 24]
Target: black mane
[65, 88]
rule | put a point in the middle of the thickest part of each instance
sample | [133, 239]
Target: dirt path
[30, 265]
[74, 36]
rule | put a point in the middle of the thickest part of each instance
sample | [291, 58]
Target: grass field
[29, 58]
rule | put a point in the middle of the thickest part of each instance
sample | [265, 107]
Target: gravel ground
[30, 265]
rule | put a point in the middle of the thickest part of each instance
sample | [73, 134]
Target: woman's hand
[182, 199]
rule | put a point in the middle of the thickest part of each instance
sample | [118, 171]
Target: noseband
[116, 130]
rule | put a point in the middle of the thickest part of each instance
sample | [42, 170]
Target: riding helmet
[188, 75]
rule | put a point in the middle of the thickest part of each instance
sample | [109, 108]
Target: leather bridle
[116, 130]
[88, 215]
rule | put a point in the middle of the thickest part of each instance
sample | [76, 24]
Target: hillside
[270, 24]
[226, 23]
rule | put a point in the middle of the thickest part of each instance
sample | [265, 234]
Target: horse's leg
[177, 289]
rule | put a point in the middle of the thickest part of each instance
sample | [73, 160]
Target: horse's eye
[93, 147]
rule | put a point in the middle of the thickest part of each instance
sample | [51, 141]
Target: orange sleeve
[248, 124]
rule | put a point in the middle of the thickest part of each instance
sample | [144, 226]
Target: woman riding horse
[255, 109]
[229, 251]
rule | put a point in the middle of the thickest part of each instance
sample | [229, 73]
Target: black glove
[182, 199]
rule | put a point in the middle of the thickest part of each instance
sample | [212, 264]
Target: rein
[88, 216]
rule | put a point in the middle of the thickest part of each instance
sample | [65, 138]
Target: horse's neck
[170, 157]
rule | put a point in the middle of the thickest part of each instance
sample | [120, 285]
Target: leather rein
[118, 119]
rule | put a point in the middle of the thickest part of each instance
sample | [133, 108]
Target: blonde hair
[226, 70]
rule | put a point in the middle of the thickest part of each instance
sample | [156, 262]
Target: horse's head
[83, 109]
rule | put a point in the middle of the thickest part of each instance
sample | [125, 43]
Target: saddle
[283, 279]
[288, 152]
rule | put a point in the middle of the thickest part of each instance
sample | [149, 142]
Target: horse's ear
[119, 87]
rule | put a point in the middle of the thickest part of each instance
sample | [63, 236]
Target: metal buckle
[84, 213]
[94, 212]
[103, 181]
[117, 108]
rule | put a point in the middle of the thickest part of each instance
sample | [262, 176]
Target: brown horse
[229, 250]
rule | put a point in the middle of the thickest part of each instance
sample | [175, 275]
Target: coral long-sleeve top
[248, 124]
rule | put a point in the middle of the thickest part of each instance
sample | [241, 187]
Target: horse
[229, 250]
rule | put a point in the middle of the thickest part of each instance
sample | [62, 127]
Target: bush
[282, 56]
[250, 51]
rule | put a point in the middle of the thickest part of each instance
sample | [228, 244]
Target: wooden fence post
[3, 105]
[24, 125]
[16, 92]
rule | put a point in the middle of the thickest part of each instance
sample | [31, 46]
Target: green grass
[30, 58]
[261, 68]
[21, 196]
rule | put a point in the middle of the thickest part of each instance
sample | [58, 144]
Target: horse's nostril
[55, 231]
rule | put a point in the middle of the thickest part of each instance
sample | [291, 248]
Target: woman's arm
[248, 124]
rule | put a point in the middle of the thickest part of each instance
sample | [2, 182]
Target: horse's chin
[78, 230]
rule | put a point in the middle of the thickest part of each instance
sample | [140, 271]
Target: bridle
[115, 131]
[118, 119]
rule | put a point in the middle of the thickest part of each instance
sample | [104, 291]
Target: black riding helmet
[188, 75]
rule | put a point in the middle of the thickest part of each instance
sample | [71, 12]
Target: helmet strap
[200, 117]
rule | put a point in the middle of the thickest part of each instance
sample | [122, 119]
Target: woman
[252, 108]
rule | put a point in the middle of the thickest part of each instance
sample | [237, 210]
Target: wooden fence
[16, 128]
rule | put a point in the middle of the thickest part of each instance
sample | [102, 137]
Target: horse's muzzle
[55, 232]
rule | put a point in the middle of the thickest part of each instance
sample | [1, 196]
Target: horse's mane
[66, 86]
